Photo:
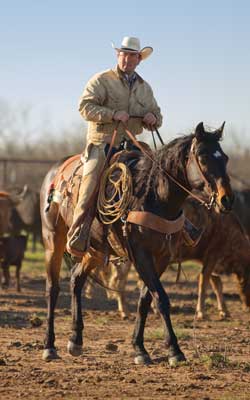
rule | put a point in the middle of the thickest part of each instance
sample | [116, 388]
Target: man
[111, 99]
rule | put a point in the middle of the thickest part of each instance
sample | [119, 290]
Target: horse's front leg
[141, 354]
[78, 279]
[145, 267]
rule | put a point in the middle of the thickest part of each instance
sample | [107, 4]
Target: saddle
[64, 190]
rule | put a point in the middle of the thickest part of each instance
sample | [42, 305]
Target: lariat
[115, 193]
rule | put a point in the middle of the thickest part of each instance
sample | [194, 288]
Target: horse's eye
[203, 158]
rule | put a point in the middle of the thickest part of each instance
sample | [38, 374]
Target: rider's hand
[122, 116]
[149, 120]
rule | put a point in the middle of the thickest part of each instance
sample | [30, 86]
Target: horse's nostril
[227, 202]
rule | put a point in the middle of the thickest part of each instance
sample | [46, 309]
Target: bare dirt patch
[218, 352]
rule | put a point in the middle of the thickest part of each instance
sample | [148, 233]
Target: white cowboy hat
[132, 44]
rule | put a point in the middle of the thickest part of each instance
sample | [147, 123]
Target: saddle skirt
[65, 188]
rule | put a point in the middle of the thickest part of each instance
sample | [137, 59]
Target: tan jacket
[108, 92]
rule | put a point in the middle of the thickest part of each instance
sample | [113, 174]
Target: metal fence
[18, 172]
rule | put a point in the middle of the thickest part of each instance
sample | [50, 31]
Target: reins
[137, 144]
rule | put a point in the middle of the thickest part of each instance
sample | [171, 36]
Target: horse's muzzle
[226, 203]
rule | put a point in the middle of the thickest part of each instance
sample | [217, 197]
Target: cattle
[223, 249]
[6, 205]
[12, 249]
[26, 214]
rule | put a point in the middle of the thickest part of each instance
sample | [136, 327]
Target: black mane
[172, 157]
[148, 177]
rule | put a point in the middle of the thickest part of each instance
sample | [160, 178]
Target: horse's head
[206, 168]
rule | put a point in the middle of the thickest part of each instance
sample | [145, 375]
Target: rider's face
[128, 61]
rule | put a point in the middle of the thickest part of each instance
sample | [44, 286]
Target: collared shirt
[130, 78]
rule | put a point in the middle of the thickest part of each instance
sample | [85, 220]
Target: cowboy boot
[191, 233]
[78, 235]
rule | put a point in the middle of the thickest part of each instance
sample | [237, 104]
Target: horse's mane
[148, 177]
[146, 174]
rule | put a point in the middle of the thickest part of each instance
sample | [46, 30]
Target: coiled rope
[113, 203]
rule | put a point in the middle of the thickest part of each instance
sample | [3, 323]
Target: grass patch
[158, 334]
[189, 271]
[155, 334]
[216, 361]
[101, 320]
[189, 266]
[182, 334]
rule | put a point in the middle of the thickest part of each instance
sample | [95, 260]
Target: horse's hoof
[175, 360]
[74, 350]
[142, 359]
[124, 316]
[50, 354]
[200, 315]
[223, 315]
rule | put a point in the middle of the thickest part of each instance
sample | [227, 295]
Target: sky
[199, 70]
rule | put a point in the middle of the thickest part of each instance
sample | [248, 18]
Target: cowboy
[117, 97]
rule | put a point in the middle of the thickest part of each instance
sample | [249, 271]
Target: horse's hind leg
[78, 279]
[54, 248]
[203, 282]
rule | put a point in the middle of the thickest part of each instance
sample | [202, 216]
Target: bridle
[193, 159]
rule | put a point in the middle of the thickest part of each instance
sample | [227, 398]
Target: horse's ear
[199, 131]
[221, 129]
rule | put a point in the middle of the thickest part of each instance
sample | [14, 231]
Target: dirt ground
[218, 352]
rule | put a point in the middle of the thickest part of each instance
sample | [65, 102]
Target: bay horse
[196, 161]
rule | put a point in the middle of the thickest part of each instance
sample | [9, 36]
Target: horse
[160, 187]
[223, 249]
